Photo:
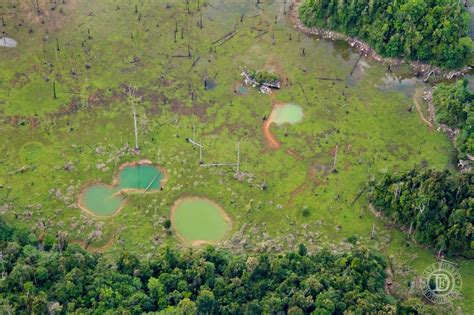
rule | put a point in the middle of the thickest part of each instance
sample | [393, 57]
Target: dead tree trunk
[201, 161]
[137, 148]
[238, 157]
[176, 32]
[334, 168]
[38, 10]
[135, 124]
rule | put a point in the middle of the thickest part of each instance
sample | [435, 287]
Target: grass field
[66, 97]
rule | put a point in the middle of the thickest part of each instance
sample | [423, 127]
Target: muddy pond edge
[115, 183]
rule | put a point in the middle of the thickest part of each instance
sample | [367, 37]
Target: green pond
[103, 200]
[140, 177]
[199, 220]
[287, 114]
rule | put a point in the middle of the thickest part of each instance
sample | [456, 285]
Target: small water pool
[139, 177]
[393, 84]
[241, 89]
[102, 200]
[209, 84]
[199, 221]
[286, 114]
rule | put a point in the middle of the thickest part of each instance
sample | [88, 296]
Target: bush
[264, 76]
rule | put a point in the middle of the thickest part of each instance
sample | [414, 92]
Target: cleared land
[69, 88]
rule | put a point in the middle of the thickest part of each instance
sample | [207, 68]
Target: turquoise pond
[103, 200]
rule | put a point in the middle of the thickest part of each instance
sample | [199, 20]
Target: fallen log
[218, 164]
[223, 37]
[329, 79]
[355, 65]
[429, 75]
[195, 62]
[23, 169]
[261, 34]
[257, 29]
[361, 192]
[304, 93]
[152, 181]
[227, 39]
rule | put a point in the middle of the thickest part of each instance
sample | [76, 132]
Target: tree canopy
[437, 207]
[67, 279]
[433, 31]
[454, 107]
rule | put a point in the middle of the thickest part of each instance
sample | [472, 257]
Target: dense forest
[437, 208]
[454, 107]
[55, 277]
[426, 30]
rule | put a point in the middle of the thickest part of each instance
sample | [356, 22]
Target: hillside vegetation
[435, 207]
[50, 276]
[421, 30]
[454, 108]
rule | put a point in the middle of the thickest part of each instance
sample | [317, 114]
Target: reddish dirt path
[310, 179]
[271, 140]
[296, 192]
[417, 99]
[294, 154]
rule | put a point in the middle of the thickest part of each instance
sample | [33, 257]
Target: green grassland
[90, 123]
